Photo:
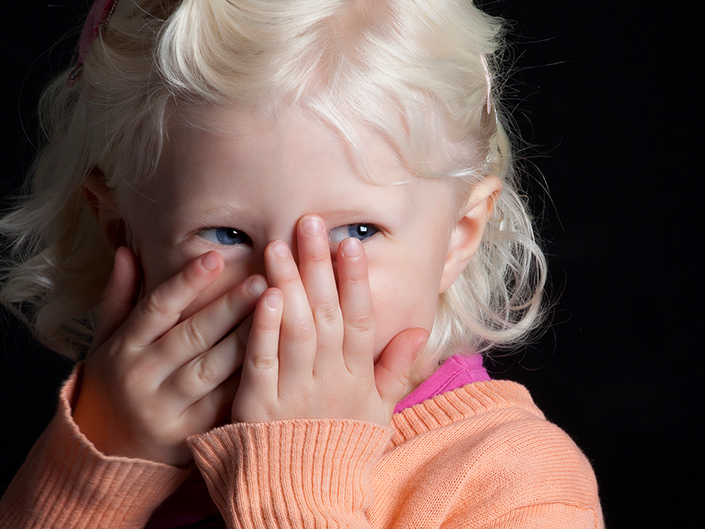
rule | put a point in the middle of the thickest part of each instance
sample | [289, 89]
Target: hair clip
[97, 18]
[488, 80]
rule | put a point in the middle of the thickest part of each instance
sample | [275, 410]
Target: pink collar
[456, 372]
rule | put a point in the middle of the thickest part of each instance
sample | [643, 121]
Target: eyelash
[232, 236]
[368, 231]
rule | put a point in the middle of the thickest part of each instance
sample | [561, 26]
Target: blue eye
[225, 236]
[359, 231]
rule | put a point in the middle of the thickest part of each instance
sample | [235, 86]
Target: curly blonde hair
[418, 71]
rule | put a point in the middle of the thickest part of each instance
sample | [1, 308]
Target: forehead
[243, 146]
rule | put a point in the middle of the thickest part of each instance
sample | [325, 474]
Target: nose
[288, 236]
[299, 228]
[285, 233]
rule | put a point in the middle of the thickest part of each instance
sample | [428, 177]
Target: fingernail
[280, 248]
[312, 225]
[351, 247]
[273, 299]
[210, 261]
[257, 286]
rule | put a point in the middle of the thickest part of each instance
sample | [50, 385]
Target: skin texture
[287, 318]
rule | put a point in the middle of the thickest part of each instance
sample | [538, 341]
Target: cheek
[156, 270]
[403, 298]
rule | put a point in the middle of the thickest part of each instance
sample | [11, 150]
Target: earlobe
[100, 200]
[469, 229]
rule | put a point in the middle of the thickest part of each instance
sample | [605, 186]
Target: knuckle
[327, 311]
[300, 330]
[264, 362]
[318, 256]
[205, 372]
[403, 378]
[266, 325]
[362, 323]
[358, 275]
[155, 304]
[194, 335]
[289, 277]
[354, 273]
[183, 385]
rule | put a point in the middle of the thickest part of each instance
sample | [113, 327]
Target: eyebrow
[228, 214]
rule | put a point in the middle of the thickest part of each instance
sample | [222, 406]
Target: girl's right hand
[150, 381]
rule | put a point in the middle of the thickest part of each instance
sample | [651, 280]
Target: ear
[469, 229]
[100, 199]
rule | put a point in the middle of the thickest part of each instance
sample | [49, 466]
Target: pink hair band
[97, 17]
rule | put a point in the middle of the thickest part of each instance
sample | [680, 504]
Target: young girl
[304, 222]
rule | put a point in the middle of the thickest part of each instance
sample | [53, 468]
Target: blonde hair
[417, 71]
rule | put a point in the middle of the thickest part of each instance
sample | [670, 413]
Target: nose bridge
[283, 229]
[290, 184]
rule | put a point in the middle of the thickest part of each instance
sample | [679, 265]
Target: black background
[604, 94]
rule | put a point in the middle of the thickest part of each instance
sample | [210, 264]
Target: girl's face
[234, 181]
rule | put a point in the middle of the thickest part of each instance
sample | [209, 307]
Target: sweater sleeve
[65, 482]
[298, 473]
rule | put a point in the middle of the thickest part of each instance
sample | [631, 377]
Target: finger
[201, 372]
[393, 368]
[229, 353]
[356, 304]
[218, 403]
[208, 371]
[118, 298]
[318, 278]
[161, 309]
[298, 331]
[260, 370]
[208, 326]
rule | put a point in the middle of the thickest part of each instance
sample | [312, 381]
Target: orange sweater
[482, 456]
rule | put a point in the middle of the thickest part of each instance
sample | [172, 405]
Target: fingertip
[420, 337]
[123, 273]
[351, 248]
[273, 298]
[404, 349]
[120, 252]
[120, 259]
[123, 251]
[257, 286]
[312, 224]
[352, 258]
[211, 261]
[118, 297]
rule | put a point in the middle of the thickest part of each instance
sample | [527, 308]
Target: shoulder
[488, 446]
[498, 413]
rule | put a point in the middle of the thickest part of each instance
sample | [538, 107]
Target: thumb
[393, 367]
[118, 298]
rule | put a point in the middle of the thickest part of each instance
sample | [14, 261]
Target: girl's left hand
[310, 353]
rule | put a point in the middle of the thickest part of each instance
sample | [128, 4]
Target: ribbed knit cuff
[67, 483]
[302, 473]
